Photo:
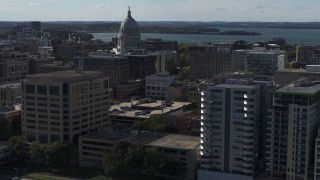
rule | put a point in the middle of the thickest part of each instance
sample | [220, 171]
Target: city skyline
[165, 10]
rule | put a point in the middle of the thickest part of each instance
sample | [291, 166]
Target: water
[292, 36]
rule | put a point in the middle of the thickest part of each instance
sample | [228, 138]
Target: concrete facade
[64, 105]
[291, 130]
[230, 116]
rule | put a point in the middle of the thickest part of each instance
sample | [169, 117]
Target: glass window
[54, 90]
[30, 89]
[42, 89]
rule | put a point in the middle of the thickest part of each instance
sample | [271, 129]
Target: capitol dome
[128, 37]
[129, 25]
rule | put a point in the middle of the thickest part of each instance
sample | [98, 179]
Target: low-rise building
[185, 148]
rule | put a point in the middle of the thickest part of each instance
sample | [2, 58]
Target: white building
[291, 129]
[157, 85]
[229, 131]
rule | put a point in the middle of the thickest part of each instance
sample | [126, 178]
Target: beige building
[64, 105]
[185, 148]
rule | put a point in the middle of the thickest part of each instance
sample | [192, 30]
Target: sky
[161, 10]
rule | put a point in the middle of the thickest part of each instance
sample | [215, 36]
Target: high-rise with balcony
[291, 129]
[64, 105]
[229, 131]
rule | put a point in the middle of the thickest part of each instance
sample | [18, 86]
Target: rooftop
[309, 89]
[144, 110]
[177, 142]
[161, 140]
[65, 76]
[239, 86]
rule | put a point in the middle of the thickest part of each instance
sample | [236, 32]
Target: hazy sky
[160, 10]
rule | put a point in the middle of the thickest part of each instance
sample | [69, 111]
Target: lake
[292, 36]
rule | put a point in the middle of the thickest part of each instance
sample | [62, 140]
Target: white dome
[128, 37]
[129, 26]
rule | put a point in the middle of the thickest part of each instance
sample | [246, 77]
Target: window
[30, 89]
[54, 90]
[42, 89]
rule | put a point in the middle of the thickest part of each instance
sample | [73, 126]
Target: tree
[58, 154]
[115, 161]
[154, 123]
[17, 146]
[55, 155]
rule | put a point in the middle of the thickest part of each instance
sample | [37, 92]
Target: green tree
[154, 123]
[55, 155]
[115, 161]
[58, 154]
[17, 145]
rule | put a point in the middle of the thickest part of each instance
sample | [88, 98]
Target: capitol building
[128, 37]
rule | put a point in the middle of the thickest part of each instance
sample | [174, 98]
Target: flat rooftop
[65, 76]
[176, 142]
[239, 86]
[144, 110]
[161, 140]
[299, 90]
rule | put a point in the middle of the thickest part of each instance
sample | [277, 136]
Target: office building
[64, 105]
[13, 64]
[184, 148]
[209, 60]
[230, 116]
[291, 129]
[127, 89]
[115, 67]
[305, 53]
[36, 61]
[141, 65]
[10, 93]
[265, 60]
[157, 85]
